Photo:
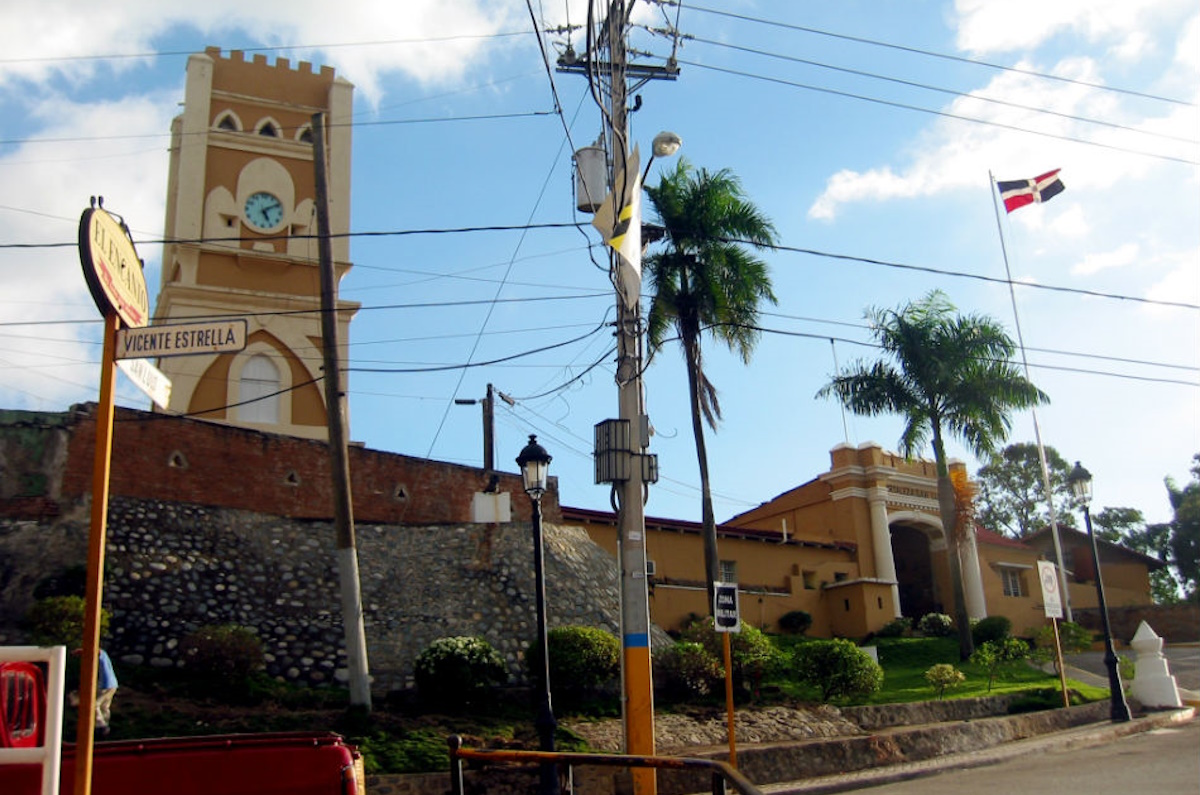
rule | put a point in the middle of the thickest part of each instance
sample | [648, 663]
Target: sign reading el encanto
[111, 267]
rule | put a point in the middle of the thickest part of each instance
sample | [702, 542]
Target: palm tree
[947, 374]
[705, 280]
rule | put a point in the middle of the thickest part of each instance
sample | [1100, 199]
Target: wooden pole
[1062, 668]
[90, 646]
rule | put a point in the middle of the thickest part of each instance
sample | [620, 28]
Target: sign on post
[1051, 597]
[149, 379]
[725, 607]
[182, 339]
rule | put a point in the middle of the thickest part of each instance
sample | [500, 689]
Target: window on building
[259, 383]
[268, 130]
[227, 122]
[810, 580]
[1014, 582]
[728, 571]
[840, 576]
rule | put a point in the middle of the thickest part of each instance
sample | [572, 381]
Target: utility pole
[630, 486]
[335, 412]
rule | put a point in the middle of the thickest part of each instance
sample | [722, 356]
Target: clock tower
[240, 231]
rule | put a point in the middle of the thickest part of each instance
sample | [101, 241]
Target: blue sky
[845, 163]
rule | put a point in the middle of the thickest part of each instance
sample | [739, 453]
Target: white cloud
[987, 26]
[1103, 260]
[432, 41]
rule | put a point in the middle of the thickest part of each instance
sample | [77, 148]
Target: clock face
[264, 211]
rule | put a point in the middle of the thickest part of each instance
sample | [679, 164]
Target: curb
[1081, 737]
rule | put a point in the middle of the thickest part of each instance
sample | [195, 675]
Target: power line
[275, 48]
[933, 54]
[941, 113]
[939, 89]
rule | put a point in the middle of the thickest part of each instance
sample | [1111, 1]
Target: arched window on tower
[259, 382]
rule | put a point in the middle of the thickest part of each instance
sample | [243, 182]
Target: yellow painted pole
[95, 562]
[730, 712]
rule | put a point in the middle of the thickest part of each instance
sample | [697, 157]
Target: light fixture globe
[1080, 483]
[534, 462]
[666, 144]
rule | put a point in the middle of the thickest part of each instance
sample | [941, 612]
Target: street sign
[149, 379]
[1051, 597]
[112, 268]
[182, 339]
[725, 607]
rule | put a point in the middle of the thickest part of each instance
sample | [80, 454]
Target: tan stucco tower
[241, 215]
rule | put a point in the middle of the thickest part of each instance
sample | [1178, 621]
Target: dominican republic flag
[1020, 192]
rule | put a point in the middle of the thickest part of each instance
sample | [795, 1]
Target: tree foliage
[945, 374]
[1184, 531]
[706, 280]
[1012, 497]
[838, 668]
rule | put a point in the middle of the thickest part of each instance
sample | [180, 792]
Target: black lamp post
[1080, 481]
[534, 462]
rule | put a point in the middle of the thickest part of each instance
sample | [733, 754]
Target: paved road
[1165, 761]
[1182, 660]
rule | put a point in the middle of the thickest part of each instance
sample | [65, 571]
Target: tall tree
[706, 280]
[1185, 531]
[1012, 497]
[1127, 527]
[944, 373]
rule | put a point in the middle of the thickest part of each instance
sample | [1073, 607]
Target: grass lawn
[905, 661]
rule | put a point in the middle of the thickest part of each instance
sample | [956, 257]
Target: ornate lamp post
[1080, 481]
[534, 462]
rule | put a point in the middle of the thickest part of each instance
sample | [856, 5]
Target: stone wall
[1173, 623]
[172, 567]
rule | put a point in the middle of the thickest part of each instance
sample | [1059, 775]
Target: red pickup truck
[295, 763]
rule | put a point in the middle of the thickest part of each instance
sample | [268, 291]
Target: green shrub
[58, 620]
[838, 668]
[936, 625]
[991, 628]
[896, 628]
[796, 622]
[751, 652]
[223, 653]
[943, 677]
[1127, 668]
[582, 659]
[995, 655]
[687, 670]
[452, 671]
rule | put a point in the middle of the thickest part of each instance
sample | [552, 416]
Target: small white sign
[1051, 596]
[726, 617]
[149, 379]
[181, 339]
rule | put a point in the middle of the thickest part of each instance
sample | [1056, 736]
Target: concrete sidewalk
[1079, 737]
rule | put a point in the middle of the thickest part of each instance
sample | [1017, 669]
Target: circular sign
[1049, 582]
[112, 268]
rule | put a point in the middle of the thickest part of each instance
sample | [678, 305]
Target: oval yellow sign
[112, 268]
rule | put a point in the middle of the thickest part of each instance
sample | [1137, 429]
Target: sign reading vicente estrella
[112, 268]
[182, 339]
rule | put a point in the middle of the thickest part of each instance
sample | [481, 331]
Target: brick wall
[206, 463]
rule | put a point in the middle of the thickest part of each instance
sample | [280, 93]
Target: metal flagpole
[1037, 433]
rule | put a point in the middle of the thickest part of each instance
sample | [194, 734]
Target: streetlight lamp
[534, 462]
[1080, 482]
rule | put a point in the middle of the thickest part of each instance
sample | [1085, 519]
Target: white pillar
[972, 580]
[881, 540]
[1153, 684]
